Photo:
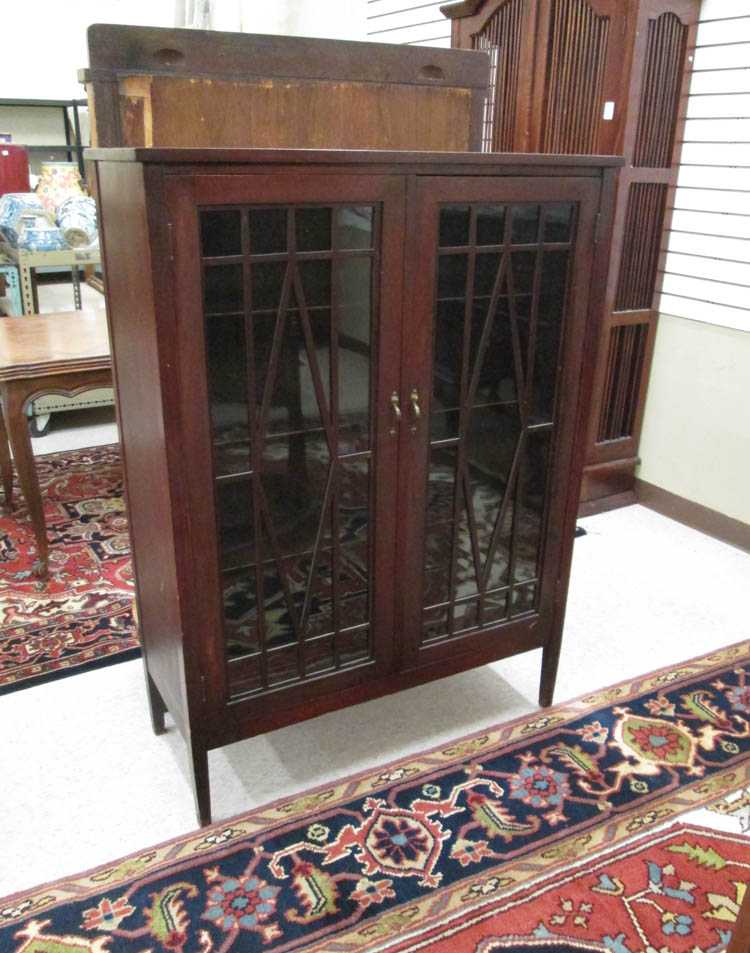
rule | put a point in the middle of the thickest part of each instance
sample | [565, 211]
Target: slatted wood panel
[627, 350]
[706, 273]
[665, 54]
[501, 38]
[415, 22]
[575, 77]
[644, 221]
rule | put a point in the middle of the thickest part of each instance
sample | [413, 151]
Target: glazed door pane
[499, 309]
[290, 297]
[289, 349]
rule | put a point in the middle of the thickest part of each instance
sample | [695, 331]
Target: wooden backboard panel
[275, 113]
[201, 88]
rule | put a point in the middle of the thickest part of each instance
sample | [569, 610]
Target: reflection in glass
[268, 228]
[354, 646]
[488, 478]
[448, 344]
[558, 219]
[222, 289]
[353, 227]
[316, 282]
[221, 233]
[452, 276]
[485, 272]
[454, 225]
[234, 509]
[490, 224]
[226, 363]
[313, 229]
[293, 504]
[524, 224]
[239, 594]
[352, 282]
[549, 331]
[267, 282]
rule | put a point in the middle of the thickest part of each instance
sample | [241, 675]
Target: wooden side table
[60, 353]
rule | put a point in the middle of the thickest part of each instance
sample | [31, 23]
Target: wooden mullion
[276, 554]
[312, 358]
[515, 520]
[325, 514]
[515, 338]
[472, 526]
[255, 448]
[524, 402]
[276, 345]
[333, 372]
[464, 414]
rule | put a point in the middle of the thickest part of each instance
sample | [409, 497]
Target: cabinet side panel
[140, 407]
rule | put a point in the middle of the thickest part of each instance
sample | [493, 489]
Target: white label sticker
[609, 110]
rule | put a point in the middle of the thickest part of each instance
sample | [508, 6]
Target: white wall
[332, 19]
[44, 41]
[696, 431]
[417, 22]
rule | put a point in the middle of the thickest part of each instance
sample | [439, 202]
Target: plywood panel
[209, 112]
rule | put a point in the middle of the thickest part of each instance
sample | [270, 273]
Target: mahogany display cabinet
[598, 76]
[352, 393]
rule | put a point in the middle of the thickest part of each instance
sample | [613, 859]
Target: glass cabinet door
[290, 300]
[498, 311]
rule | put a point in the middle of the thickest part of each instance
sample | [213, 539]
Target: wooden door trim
[185, 194]
[425, 195]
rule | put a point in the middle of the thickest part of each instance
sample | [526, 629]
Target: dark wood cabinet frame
[147, 202]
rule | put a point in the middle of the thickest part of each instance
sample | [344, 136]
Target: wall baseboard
[694, 515]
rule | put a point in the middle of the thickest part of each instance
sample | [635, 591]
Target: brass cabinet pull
[396, 404]
[414, 398]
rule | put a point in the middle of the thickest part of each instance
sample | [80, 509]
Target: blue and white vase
[77, 220]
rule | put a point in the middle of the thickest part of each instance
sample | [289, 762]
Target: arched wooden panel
[664, 64]
[644, 220]
[575, 77]
[625, 359]
[500, 36]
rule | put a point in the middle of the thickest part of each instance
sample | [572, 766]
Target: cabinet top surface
[483, 161]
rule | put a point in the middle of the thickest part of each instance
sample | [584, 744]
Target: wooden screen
[289, 302]
[644, 223]
[500, 37]
[657, 113]
[575, 77]
[623, 378]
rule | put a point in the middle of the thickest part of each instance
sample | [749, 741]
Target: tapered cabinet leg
[157, 706]
[550, 659]
[201, 790]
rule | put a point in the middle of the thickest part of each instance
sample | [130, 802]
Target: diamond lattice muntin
[500, 302]
[289, 326]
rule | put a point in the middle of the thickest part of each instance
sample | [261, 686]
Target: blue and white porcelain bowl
[17, 205]
[76, 217]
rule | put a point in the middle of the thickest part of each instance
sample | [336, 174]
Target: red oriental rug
[675, 891]
[81, 617]
[439, 847]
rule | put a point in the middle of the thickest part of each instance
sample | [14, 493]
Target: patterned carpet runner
[81, 617]
[372, 861]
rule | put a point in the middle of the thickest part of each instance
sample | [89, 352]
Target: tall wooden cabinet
[352, 391]
[598, 76]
